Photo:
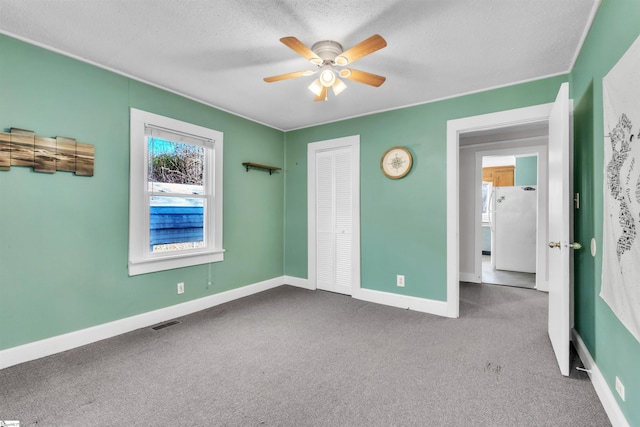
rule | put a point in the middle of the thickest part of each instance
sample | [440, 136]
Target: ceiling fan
[327, 55]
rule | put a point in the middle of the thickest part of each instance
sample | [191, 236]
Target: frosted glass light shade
[327, 78]
[316, 87]
[338, 87]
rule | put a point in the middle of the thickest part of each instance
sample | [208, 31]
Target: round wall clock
[396, 162]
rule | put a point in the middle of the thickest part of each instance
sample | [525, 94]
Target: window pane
[175, 223]
[175, 167]
[170, 188]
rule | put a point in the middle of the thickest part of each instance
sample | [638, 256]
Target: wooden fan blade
[300, 48]
[287, 76]
[323, 95]
[363, 77]
[364, 48]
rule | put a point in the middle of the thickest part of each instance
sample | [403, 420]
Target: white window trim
[141, 261]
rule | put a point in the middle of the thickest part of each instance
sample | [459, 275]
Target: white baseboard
[469, 277]
[423, 305]
[35, 350]
[298, 282]
[542, 285]
[603, 391]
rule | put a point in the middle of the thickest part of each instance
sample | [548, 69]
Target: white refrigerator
[513, 228]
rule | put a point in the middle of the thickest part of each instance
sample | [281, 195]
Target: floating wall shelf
[248, 165]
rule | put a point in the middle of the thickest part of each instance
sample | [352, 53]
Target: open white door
[560, 214]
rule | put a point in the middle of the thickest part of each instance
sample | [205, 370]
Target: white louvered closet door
[334, 220]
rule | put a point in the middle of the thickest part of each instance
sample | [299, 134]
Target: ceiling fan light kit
[316, 87]
[327, 77]
[326, 55]
[338, 87]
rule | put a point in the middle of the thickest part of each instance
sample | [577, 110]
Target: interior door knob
[554, 244]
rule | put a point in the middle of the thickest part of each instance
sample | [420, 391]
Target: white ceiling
[218, 51]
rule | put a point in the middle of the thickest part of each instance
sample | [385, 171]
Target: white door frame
[312, 148]
[455, 128]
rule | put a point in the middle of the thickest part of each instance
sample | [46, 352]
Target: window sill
[169, 263]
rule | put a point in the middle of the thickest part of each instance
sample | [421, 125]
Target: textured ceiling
[218, 51]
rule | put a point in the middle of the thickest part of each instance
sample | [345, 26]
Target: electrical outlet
[400, 280]
[181, 288]
[620, 388]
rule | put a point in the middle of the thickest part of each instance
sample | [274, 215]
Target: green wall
[403, 222]
[614, 349]
[64, 238]
[526, 172]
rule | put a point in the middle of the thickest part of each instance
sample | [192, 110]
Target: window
[175, 197]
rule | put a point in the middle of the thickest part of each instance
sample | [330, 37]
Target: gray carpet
[292, 357]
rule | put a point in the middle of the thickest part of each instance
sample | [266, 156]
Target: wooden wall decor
[84, 159]
[21, 147]
[5, 151]
[44, 159]
[66, 154]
